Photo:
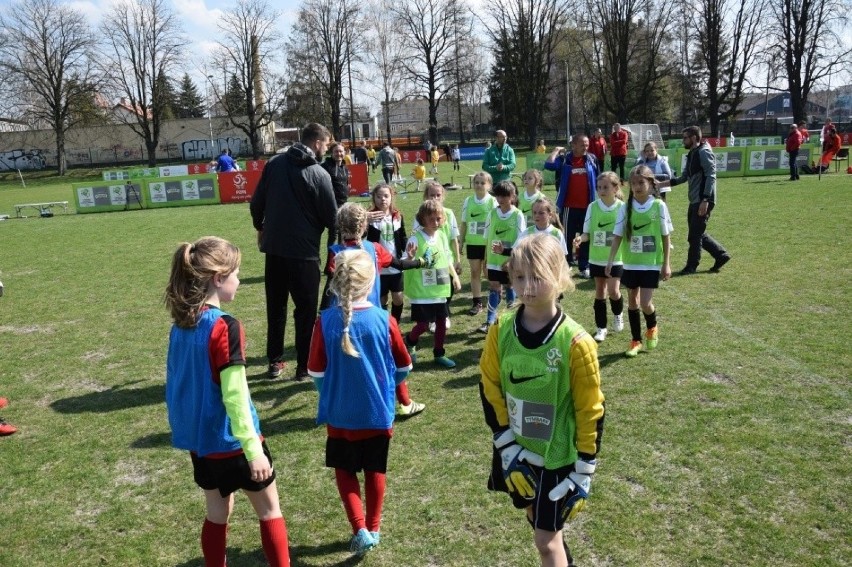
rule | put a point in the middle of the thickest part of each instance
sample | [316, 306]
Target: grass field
[729, 445]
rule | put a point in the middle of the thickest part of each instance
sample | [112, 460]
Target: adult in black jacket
[335, 165]
[292, 205]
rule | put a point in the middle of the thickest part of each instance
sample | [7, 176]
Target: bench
[43, 209]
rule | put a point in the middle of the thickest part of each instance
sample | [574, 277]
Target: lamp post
[209, 111]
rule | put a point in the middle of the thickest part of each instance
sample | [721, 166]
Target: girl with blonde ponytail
[357, 358]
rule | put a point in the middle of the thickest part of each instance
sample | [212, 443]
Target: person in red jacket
[831, 145]
[597, 147]
[618, 149]
[803, 130]
[794, 142]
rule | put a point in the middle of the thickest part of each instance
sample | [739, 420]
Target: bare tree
[386, 54]
[319, 47]
[805, 38]
[526, 34]
[625, 56]
[143, 40]
[249, 45]
[729, 36]
[429, 33]
[47, 48]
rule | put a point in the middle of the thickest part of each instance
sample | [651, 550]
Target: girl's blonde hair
[432, 184]
[354, 277]
[539, 180]
[645, 173]
[351, 221]
[193, 268]
[615, 180]
[484, 175]
[427, 208]
[551, 208]
[382, 185]
[540, 257]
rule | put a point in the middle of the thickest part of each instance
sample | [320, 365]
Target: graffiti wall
[21, 159]
[206, 149]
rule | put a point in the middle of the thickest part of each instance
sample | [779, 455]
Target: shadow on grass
[116, 398]
[252, 280]
[152, 441]
[236, 558]
[605, 360]
[462, 382]
[297, 552]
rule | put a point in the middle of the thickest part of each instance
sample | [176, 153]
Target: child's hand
[456, 283]
[497, 247]
[411, 249]
[458, 267]
[260, 469]
[666, 272]
[577, 241]
[376, 215]
[608, 269]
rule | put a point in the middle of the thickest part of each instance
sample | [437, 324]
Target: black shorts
[498, 276]
[390, 282]
[369, 454]
[648, 279]
[599, 271]
[429, 312]
[476, 251]
[547, 515]
[228, 475]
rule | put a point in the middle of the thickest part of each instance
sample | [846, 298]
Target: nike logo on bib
[474, 215]
[505, 230]
[640, 227]
[603, 224]
[522, 379]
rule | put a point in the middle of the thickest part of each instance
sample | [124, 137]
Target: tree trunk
[61, 160]
[151, 147]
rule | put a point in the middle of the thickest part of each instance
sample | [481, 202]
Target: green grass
[729, 445]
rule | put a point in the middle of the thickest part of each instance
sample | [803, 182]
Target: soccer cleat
[600, 336]
[635, 347]
[651, 338]
[412, 352]
[618, 323]
[510, 304]
[411, 409]
[445, 362]
[584, 274]
[300, 375]
[720, 261]
[484, 328]
[376, 538]
[687, 270]
[6, 428]
[476, 309]
[275, 369]
[3, 403]
[362, 542]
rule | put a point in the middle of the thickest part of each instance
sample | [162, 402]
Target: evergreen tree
[165, 92]
[235, 98]
[190, 103]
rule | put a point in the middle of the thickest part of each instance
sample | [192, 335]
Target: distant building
[13, 125]
[411, 116]
[777, 106]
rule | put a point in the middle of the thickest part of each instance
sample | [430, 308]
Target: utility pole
[208, 82]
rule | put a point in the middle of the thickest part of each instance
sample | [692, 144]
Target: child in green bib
[541, 396]
[598, 232]
[475, 211]
[644, 226]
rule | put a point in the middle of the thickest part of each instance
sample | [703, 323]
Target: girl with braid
[357, 357]
[645, 226]
[210, 411]
[351, 225]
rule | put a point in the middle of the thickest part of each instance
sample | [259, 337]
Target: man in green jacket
[499, 159]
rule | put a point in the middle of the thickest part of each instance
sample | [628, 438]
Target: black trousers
[618, 162]
[387, 174]
[286, 277]
[794, 171]
[698, 237]
[572, 220]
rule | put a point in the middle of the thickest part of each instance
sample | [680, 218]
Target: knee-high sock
[374, 492]
[396, 312]
[511, 295]
[600, 313]
[273, 537]
[440, 336]
[617, 305]
[350, 495]
[213, 539]
[493, 304]
[402, 394]
[414, 335]
[635, 324]
[650, 320]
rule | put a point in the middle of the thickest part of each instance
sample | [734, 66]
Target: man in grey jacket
[700, 172]
[292, 205]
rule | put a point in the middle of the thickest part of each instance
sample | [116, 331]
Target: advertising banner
[174, 171]
[774, 160]
[200, 168]
[182, 191]
[100, 197]
[237, 186]
[730, 162]
[359, 181]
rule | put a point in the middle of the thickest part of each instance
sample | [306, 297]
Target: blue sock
[493, 303]
[510, 295]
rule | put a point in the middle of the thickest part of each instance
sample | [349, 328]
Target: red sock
[374, 490]
[350, 495]
[402, 394]
[213, 538]
[273, 536]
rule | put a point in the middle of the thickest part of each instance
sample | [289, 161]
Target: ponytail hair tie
[192, 249]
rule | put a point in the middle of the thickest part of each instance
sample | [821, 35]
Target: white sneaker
[411, 409]
[600, 335]
[618, 323]
[584, 274]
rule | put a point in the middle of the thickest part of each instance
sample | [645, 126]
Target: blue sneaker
[376, 537]
[445, 362]
[362, 542]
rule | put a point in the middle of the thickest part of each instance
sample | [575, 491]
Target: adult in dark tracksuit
[700, 172]
[577, 172]
[292, 205]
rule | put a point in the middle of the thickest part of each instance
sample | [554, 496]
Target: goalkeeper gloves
[429, 259]
[575, 489]
[519, 477]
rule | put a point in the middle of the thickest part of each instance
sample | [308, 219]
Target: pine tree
[166, 97]
[190, 104]
[235, 98]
